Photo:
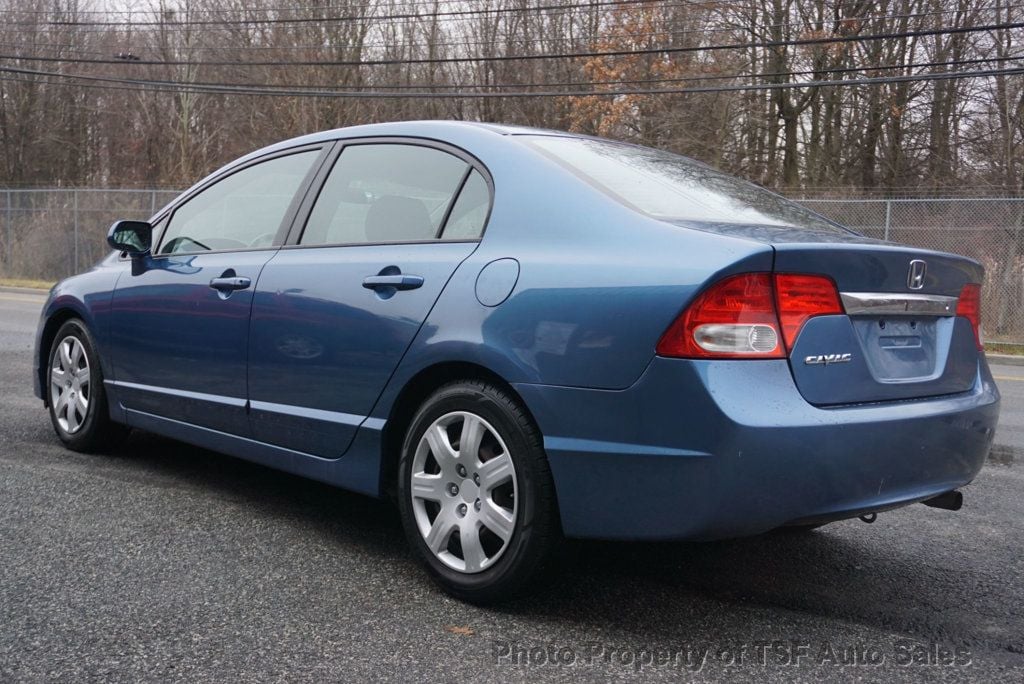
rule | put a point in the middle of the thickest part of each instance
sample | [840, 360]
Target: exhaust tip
[950, 501]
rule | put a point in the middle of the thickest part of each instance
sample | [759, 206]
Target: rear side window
[469, 214]
[388, 192]
[242, 211]
[668, 186]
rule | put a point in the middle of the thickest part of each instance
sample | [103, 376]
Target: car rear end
[887, 398]
[847, 379]
[868, 400]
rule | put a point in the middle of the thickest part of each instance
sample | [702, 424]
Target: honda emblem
[915, 278]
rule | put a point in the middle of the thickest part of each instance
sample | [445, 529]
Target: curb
[1005, 359]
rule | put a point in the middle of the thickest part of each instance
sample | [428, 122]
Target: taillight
[749, 316]
[969, 306]
[734, 318]
[801, 297]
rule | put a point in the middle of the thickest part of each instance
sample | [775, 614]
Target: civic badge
[827, 359]
[915, 278]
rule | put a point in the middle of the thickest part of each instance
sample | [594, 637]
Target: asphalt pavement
[164, 561]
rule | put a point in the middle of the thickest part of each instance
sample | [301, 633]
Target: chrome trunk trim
[894, 304]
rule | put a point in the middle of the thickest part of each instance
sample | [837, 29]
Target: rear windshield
[671, 187]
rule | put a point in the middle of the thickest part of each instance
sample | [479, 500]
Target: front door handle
[398, 282]
[230, 283]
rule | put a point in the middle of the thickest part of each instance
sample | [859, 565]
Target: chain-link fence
[48, 234]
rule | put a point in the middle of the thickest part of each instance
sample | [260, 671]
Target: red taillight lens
[735, 318]
[749, 316]
[969, 306]
[801, 297]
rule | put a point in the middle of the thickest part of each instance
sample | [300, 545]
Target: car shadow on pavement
[835, 572]
[333, 512]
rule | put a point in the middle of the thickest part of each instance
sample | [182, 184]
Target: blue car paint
[87, 297]
[640, 446]
[881, 265]
[178, 347]
[892, 372]
[751, 453]
[322, 346]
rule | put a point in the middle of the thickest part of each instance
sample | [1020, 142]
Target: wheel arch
[412, 396]
[54, 321]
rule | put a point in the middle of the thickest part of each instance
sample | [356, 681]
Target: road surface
[163, 560]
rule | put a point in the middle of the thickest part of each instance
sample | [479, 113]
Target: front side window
[385, 192]
[672, 187]
[242, 211]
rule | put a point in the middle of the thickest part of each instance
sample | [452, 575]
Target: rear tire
[75, 393]
[475, 493]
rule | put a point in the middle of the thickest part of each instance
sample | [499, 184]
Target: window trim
[320, 181]
[286, 221]
[455, 200]
[452, 201]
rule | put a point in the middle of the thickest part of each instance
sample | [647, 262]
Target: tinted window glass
[669, 186]
[470, 211]
[244, 210]
[384, 193]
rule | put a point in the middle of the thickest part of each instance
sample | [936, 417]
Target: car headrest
[392, 218]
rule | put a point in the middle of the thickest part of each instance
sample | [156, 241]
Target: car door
[179, 332]
[335, 311]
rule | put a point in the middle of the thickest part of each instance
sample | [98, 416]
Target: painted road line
[32, 299]
[1008, 377]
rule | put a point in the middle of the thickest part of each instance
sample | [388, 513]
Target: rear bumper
[715, 449]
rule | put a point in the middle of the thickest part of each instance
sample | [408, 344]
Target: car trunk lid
[899, 337]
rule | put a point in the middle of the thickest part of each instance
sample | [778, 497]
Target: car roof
[425, 128]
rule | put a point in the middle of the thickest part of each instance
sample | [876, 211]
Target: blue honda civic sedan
[523, 335]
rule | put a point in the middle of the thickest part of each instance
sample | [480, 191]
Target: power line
[374, 23]
[549, 11]
[327, 8]
[560, 8]
[229, 89]
[403, 15]
[712, 77]
[591, 84]
[540, 56]
[306, 8]
[465, 14]
[234, 10]
[508, 38]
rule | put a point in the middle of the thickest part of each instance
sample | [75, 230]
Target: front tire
[74, 391]
[475, 492]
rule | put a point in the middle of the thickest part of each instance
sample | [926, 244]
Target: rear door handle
[230, 283]
[399, 282]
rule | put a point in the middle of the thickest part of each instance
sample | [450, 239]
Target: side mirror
[133, 237]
